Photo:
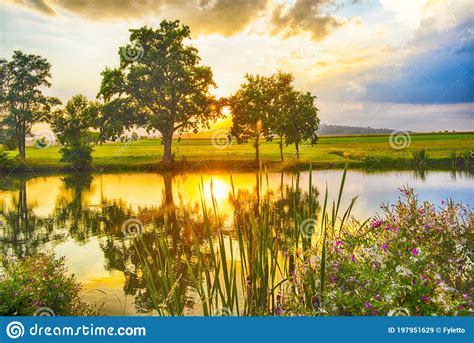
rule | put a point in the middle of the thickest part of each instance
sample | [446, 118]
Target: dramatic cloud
[205, 16]
[438, 66]
[304, 16]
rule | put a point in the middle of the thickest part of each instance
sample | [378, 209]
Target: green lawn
[367, 150]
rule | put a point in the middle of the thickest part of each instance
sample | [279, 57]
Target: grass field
[373, 151]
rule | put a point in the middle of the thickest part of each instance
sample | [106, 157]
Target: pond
[82, 217]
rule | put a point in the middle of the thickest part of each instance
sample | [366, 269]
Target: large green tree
[159, 85]
[22, 101]
[250, 107]
[72, 126]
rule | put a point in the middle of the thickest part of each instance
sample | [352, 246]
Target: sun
[219, 189]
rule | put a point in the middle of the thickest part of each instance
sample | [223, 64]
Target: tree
[282, 99]
[21, 96]
[159, 85]
[250, 107]
[303, 122]
[72, 126]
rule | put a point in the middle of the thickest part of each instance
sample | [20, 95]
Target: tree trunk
[22, 145]
[297, 150]
[167, 140]
[281, 148]
[257, 150]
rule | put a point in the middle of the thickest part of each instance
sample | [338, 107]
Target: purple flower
[338, 243]
[375, 223]
[414, 252]
[395, 229]
[367, 305]
[424, 298]
[384, 247]
[353, 258]
[378, 297]
[461, 307]
[465, 296]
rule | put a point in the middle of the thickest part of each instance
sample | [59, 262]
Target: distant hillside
[325, 129]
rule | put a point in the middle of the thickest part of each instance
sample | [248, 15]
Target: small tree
[159, 85]
[21, 96]
[303, 122]
[250, 107]
[72, 126]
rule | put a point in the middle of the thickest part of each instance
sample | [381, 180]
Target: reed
[245, 271]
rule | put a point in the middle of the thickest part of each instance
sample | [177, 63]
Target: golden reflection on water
[88, 260]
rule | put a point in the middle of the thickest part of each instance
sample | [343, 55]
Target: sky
[398, 64]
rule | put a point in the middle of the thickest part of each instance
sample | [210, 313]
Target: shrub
[415, 259]
[40, 281]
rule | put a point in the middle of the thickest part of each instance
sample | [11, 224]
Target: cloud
[225, 17]
[304, 16]
[203, 16]
[437, 65]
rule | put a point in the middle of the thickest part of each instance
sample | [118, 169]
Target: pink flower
[367, 305]
[414, 252]
[465, 296]
[384, 247]
[424, 298]
[353, 258]
[375, 223]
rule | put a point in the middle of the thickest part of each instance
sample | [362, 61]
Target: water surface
[81, 217]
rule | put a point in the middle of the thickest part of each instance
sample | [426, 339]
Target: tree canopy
[72, 125]
[21, 97]
[268, 106]
[159, 85]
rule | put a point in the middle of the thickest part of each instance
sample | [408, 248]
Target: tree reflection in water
[73, 218]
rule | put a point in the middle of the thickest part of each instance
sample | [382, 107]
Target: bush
[79, 157]
[40, 281]
[415, 259]
[5, 162]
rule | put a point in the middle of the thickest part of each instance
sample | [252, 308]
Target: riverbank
[439, 150]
